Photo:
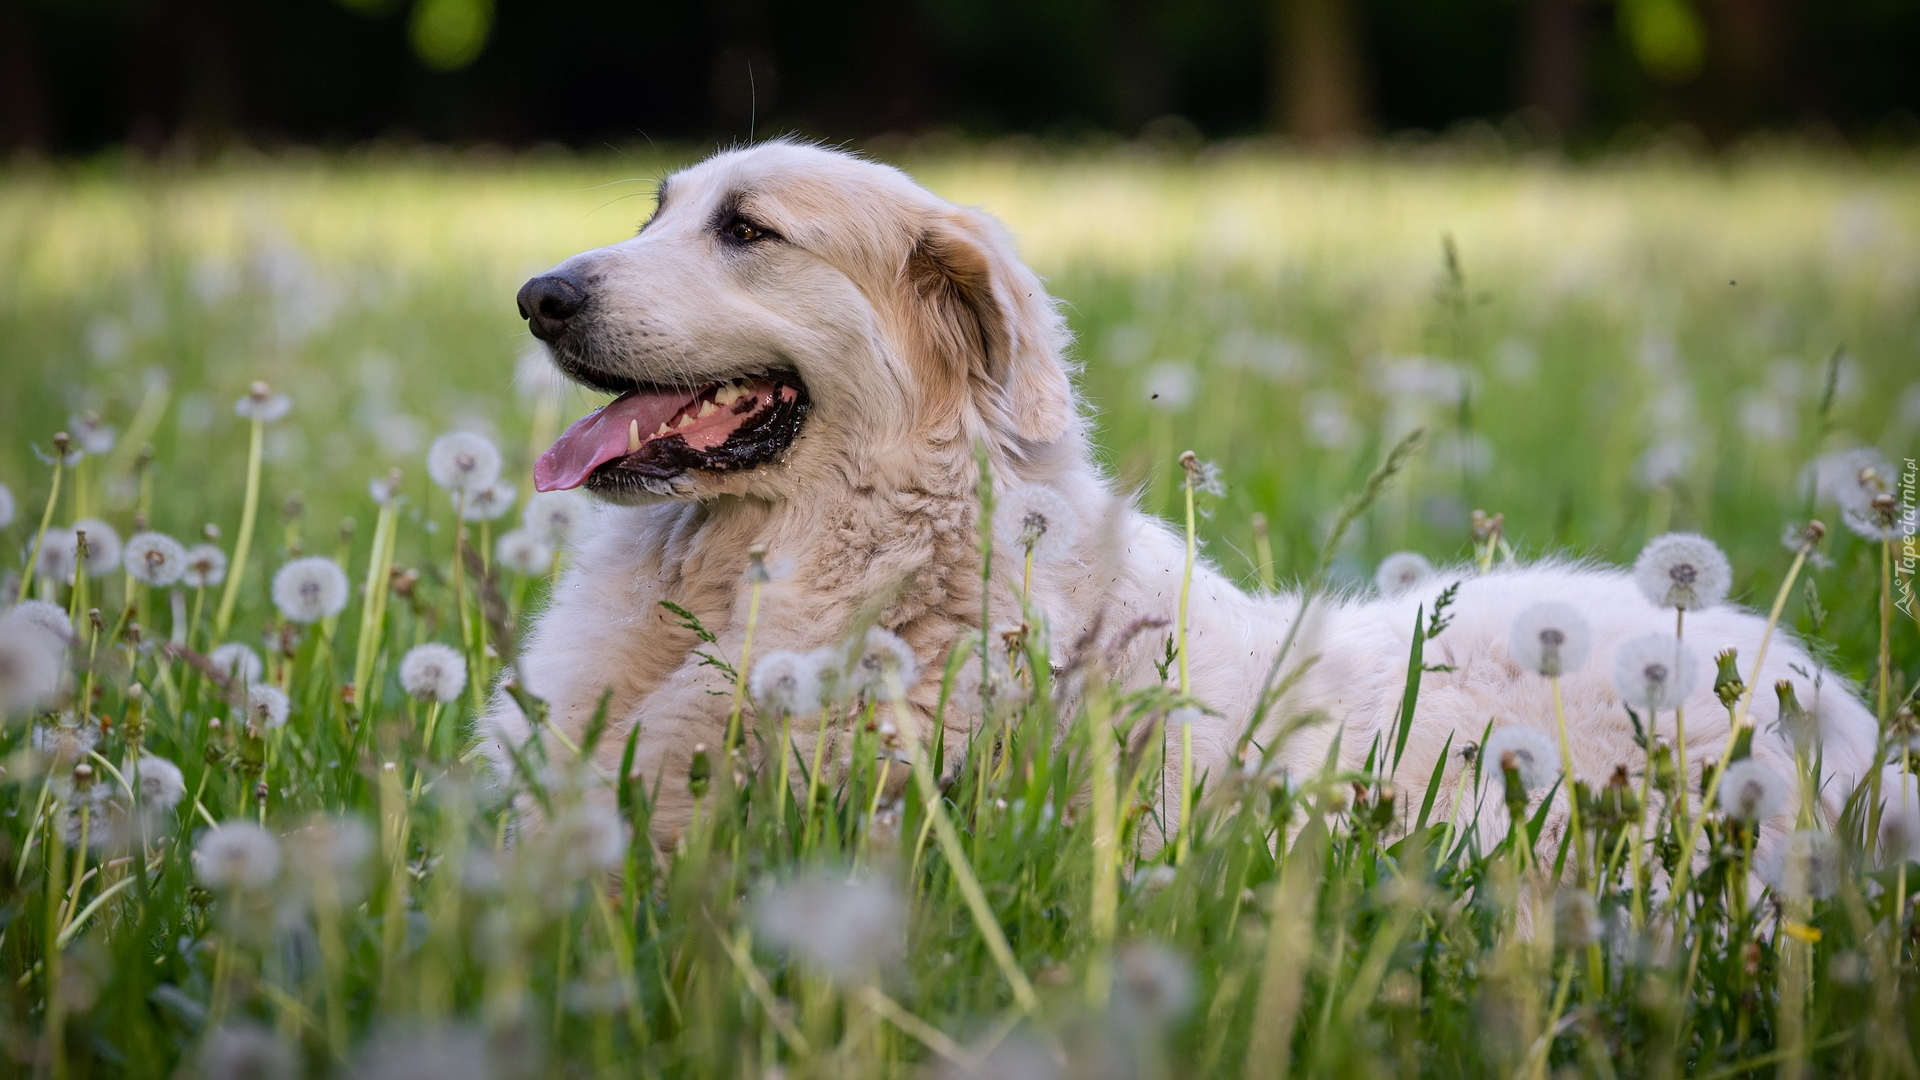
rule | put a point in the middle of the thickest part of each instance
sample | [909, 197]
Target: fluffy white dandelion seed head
[1900, 826]
[1535, 756]
[266, 706]
[155, 559]
[591, 837]
[1804, 866]
[103, 545]
[331, 853]
[1655, 672]
[383, 489]
[1576, 919]
[162, 785]
[847, 929]
[435, 671]
[1152, 984]
[7, 507]
[32, 665]
[523, 553]
[236, 855]
[435, 1053]
[786, 683]
[1401, 572]
[1682, 570]
[1837, 477]
[91, 433]
[240, 664]
[1037, 517]
[1871, 507]
[66, 742]
[1550, 637]
[59, 556]
[485, 502]
[463, 461]
[973, 696]
[263, 404]
[206, 566]
[882, 664]
[246, 1051]
[554, 515]
[44, 615]
[1750, 791]
[310, 589]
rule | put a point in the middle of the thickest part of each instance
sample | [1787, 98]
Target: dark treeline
[160, 75]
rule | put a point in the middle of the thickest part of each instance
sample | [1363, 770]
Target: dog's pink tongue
[601, 436]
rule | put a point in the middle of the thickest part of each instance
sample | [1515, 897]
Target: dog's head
[790, 314]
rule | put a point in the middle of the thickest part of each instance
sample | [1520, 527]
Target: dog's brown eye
[743, 232]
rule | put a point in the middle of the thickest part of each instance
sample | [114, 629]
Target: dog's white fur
[919, 333]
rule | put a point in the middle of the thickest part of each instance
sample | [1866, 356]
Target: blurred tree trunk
[899, 68]
[1317, 86]
[1555, 74]
[23, 108]
[1142, 89]
[1749, 61]
[743, 81]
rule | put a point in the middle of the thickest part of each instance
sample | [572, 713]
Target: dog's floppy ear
[989, 316]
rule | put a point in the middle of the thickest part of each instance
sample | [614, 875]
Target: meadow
[284, 860]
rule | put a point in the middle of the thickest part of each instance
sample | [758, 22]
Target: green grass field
[1601, 354]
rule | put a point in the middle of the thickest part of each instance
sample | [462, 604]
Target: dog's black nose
[547, 302]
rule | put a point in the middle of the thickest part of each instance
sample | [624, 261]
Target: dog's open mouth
[655, 433]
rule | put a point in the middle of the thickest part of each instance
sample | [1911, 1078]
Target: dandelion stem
[460, 573]
[40, 535]
[746, 659]
[1739, 720]
[1185, 840]
[1886, 626]
[1572, 784]
[1679, 728]
[243, 542]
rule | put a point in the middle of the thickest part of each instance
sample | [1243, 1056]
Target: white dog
[807, 348]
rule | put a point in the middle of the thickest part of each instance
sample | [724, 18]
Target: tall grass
[1600, 354]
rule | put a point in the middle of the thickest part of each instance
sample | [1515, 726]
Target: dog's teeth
[684, 421]
[662, 429]
[727, 394]
[707, 408]
[633, 436]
